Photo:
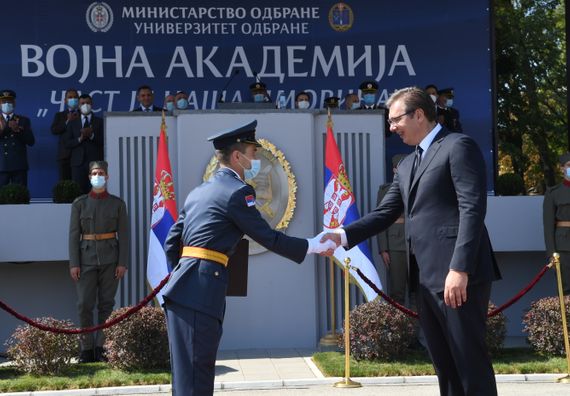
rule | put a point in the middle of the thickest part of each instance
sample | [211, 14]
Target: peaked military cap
[396, 159]
[98, 165]
[243, 134]
[446, 92]
[369, 86]
[564, 158]
[7, 94]
[332, 102]
[257, 86]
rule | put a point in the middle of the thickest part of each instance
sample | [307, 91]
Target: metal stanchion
[347, 382]
[556, 259]
[330, 339]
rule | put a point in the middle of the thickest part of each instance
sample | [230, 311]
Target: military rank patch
[250, 200]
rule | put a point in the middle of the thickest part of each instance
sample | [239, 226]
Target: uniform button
[216, 273]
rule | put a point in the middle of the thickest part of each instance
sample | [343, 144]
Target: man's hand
[120, 271]
[331, 236]
[386, 257]
[72, 115]
[75, 273]
[86, 133]
[13, 124]
[317, 246]
[455, 292]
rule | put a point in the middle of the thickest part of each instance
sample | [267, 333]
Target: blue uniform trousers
[193, 337]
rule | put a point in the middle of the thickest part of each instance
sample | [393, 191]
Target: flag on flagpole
[340, 208]
[164, 214]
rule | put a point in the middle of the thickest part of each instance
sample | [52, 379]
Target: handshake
[324, 244]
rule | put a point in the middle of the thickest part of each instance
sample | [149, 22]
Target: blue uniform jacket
[215, 216]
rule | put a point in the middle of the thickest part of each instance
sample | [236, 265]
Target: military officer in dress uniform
[556, 215]
[15, 134]
[259, 93]
[369, 90]
[213, 220]
[446, 114]
[98, 255]
[392, 247]
[332, 102]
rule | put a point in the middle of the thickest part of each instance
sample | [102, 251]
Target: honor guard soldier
[15, 134]
[98, 256]
[556, 216]
[215, 217]
[446, 114]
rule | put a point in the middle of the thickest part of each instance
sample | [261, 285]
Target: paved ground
[290, 372]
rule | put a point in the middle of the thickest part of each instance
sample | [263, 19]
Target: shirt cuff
[342, 233]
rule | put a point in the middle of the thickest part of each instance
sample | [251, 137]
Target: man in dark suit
[84, 138]
[212, 222]
[15, 134]
[145, 96]
[59, 126]
[441, 189]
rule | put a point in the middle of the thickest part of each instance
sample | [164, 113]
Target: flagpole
[347, 382]
[556, 259]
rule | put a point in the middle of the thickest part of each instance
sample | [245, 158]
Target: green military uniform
[556, 219]
[94, 248]
[393, 241]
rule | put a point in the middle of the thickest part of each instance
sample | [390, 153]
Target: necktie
[86, 122]
[147, 110]
[417, 161]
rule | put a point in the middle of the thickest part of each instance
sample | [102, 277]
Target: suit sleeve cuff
[342, 233]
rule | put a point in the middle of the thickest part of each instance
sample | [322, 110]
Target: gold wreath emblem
[275, 188]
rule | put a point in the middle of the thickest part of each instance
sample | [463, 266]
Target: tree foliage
[531, 89]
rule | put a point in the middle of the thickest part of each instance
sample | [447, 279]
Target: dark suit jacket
[215, 216]
[154, 108]
[88, 150]
[13, 150]
[444, 208]
[58, 127]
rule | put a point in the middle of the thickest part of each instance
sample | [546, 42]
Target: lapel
[428, 157]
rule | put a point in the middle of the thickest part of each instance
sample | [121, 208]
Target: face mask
[355, 105]
[85, 108]
[449, 102]
[369, 99]
[255, 166]
[169, 106]
[258, 98]
[303, 104]
[182, 104]
[433, 97]
[97, 181]
[72, 103]
[568, 173]
[7, 108]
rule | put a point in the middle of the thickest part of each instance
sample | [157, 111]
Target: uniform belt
[563, 224]
[206, 254]
[400, 220]
[99, 237]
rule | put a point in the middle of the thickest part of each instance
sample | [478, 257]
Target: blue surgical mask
[7, 108]
[254, 168]
[258, 98]
[303, 104]
[72, 103]
[568, 173]
[449, 102]
[182, 104]
[355, 105]
[369, 99]
[97, 181]
[169, 106]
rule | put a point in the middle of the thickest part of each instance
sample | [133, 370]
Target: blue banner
[108, 49]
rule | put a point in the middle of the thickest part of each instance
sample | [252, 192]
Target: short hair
[308, 95]
[430, 86]
[139, 89]
[71, 90]
[85, 96]
[223, 155]
[414, 98]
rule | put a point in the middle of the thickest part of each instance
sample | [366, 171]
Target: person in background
[258, 92]
[332, 102]
[447, 115]
[556, 220]
[145, 97]
[58, 127]
[369, 91]
[169, 104]
[302, 100]
[431, 90]
[351, 101]
[15, 135]
[181, 100]
[98, 255]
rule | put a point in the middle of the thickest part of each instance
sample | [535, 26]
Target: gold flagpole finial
[329, 121]
[163, 123]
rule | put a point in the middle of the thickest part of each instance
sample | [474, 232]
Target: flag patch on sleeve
[250, 200]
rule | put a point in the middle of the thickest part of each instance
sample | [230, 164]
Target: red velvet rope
[105, 325]
[494, 312]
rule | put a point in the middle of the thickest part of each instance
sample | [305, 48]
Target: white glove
[315, 245]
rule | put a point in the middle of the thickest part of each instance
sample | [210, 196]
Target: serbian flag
[164, 215]
[340, 208]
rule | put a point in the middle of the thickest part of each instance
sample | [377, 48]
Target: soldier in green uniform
[556, 215]
[392, 247]
[98, 255]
